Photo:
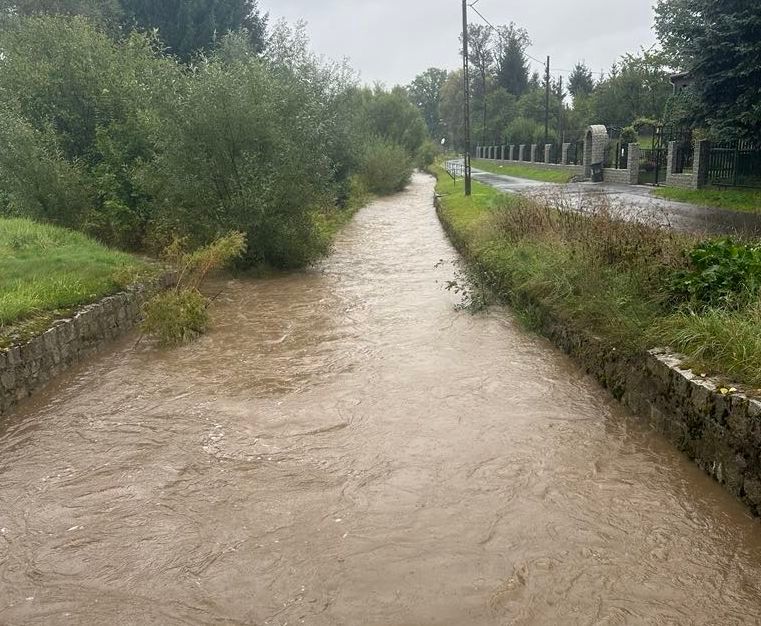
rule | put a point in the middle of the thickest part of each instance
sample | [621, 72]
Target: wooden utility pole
[466, 72]
[547, 102]
[561, 130]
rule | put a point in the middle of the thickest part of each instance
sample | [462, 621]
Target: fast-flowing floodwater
[346, 448]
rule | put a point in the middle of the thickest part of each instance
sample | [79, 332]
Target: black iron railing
[735, 164]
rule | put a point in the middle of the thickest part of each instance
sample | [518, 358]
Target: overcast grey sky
[393, 40]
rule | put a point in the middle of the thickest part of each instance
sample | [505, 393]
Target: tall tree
[513, 71]
[184, 26]
[580, 82]
[425, 92]
[719, 43]
[481, 59]
[188, 26]
[452, 107]
[106, 12]
[637, 86]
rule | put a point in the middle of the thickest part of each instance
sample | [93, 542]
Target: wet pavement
[630, 202]
[347, 448]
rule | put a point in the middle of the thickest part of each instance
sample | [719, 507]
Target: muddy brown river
[347, 448]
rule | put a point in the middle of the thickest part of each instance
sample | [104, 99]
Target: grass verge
[522, 171]
[747, 200]
[603, 277]
[46, 272]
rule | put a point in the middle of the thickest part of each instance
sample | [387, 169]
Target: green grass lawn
[601, 276]
[748, 200]
[522, 171]
[46, 272]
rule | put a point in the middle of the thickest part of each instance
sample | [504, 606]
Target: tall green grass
[603, 276]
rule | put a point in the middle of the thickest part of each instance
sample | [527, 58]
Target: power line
[496, 30]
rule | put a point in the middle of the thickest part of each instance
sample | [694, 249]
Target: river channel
[345, 447]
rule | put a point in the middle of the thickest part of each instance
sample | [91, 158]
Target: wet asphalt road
[631, 203]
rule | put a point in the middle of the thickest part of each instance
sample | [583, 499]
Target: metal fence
[735, 164]
[455, 169]
[684, 154]
[617, 155]
[576, 153]
[652, 166]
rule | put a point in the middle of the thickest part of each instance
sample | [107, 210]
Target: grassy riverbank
[748, 200]
[46, 272]
[614, 280]
[522, 171]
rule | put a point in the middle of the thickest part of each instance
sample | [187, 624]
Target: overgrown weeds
[180, 315]
[634, 284]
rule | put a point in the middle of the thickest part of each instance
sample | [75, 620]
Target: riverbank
[599, 289]
[602, 274]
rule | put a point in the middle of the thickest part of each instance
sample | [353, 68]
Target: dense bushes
[385, 167]
[114, 138]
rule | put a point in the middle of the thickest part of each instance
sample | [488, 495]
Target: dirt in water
[346, 448]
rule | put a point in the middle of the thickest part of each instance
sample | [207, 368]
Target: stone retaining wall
[721, 432]
[26, 368]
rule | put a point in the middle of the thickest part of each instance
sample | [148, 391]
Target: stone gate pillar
[547, 151]
[595, 143]
[521, 151]
[633, 163]
[534, 150]
[564, 154]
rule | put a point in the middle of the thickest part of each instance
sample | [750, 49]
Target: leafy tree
[393, 117]
[425, 92]
[188, 26]
[524, 131]
[452, 110]
[481, 59]
[637, 87]
[185, 26]
[719, 43]
[513, 72]
[580, 82]
[94, 100]
[105, 12]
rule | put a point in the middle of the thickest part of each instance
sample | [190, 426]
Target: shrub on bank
[386, 167]
[180, 315]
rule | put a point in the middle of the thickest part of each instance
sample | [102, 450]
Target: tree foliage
[513, 72]
[425, 92]
[185, 27]
[120, 140]
[189, 26]
[719, 43]
[638, 86]
[580, 82]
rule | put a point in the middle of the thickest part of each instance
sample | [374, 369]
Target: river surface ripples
[347, 448]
